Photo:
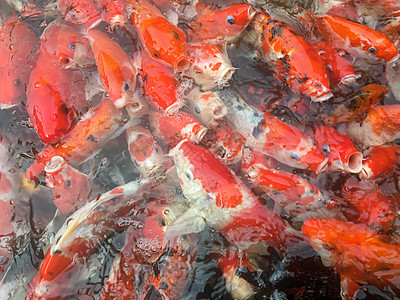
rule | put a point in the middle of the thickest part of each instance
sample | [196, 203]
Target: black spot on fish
[92, 138]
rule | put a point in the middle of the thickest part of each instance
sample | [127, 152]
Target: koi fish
[368, 205]
[95, 128]
[207, 107]
[69, 187]
[145, 152]
[171, 129]
[217, 195]
[340, 69]
[355, 251]
[210, 65]
[357, 39]
[379, 161]
[339, 148]
[17, 54]
[71, 49]
[296, 62]
[380, 126]
[355, 106]
[225, 143]
[115, 68]
[113, 11]
[80, 12]
[163, 40]
[54, 99]
[161, 88]
[221, 26]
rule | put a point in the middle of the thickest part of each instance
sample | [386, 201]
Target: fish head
[80, 11]
[210, 66]
[224, 25]
[114, 12]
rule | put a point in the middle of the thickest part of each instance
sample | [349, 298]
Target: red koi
[379, 161]
[88, 135]
[368, 205]
[355, 251]
[71, 49]
[54, 99]
[210, 66]
[145, 152]
[355, 106]
[80, 11]
[160, 85]
[113, 11]
[221, 26]
[287, 144]
[171, 129]
[339, 148]
[69, 187]
[207, 107]
[356, 38]
[296, 62]
[217, 195]
[17, 53]
[162, 39]
[117, 73]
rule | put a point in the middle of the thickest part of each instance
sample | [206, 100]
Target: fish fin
[188, 222]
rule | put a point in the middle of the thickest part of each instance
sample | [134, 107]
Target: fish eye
[106, 9]
[328, 247]
[255, 55]
[396, 66]
[156, 54]
[294, 155]
[125, 86]
[326, 149]
[230, 20]
[372, 50]
[197, 109]
[71, 46]
[189, 175]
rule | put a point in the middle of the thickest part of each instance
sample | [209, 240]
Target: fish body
[355, 251]
[163, 40]
[17, 59]
[116, 71]
[161, 88]
[217, 195]
[55, 99]
[339, 148]
[379, 161]
[222, 26]
[296, 62]
[94, 128]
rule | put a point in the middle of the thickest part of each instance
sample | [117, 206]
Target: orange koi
[221, 26]
[217, 195]
[71, 49]
[355, 106]
[117, 73]
[339, 148]
[296, 62]
[380, 126]
[368, 205]
[171, 129]
[210, 65]
[88, 135]
[161, 88]
[55, 98]
[162, 39]
[145, 152]
[355, 251]
[69, 187]
[207, 107]
[379, 161]
[17, 53]
[356, 38]
[80, 11]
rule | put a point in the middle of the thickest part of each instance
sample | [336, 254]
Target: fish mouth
[182, 63]
[321, 98]
[199, 135]
[353, 162]
[350, 79]
[55, 164]
[170, 110]
[322, 166]
[365, 173]
[226, 75]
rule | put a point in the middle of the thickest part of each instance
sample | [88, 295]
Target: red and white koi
[379, 161]
[216, 194]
